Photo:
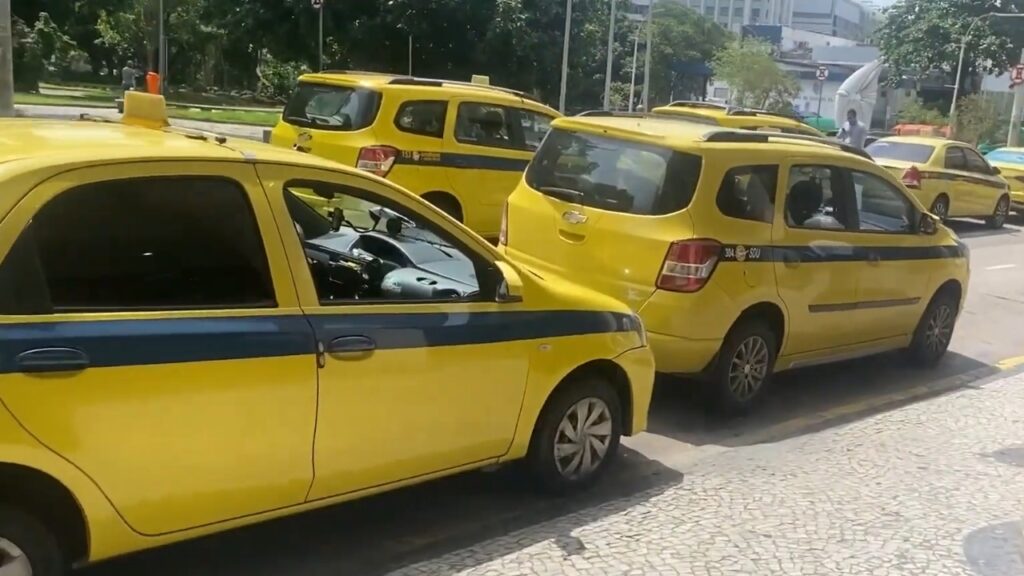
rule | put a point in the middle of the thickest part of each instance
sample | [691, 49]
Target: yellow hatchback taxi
[744, 253]
[951, 178]
[186, 346]
[735, 117]
[1010, 162]
[461, 146]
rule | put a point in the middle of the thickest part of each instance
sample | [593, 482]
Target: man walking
[853, 132]
[129, 75]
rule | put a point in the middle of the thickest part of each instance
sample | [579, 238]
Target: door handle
[351, 345]
[874, 258]
[790, 258]
[52, 360]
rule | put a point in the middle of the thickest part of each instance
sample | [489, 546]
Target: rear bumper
[639, 366]
[675, 355]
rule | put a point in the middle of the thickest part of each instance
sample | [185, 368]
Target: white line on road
[1001, 267]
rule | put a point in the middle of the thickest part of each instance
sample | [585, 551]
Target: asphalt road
[379, 534]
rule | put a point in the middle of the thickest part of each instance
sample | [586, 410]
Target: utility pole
[608, 66]
[1013, 138]
[632, 75]
[410, 54]
[647, 55]
[565, 55]
[320, 49]
[6, 61]
[161, 42]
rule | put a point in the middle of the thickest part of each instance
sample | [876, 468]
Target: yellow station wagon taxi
[951, 178]
[461, 146]
[1010, 162]
[736, 117]
[743, 252]
[187, 346]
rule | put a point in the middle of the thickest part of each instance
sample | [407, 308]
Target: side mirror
[511, 287]
[337, 218]
[928, 224]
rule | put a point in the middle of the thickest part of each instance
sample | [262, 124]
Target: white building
[842, 18]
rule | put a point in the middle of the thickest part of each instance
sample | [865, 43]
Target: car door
[419, 374]
[815, 256]
[892, 291]
[486, 153]
[963, 200]
[986, 187]
[156, 341]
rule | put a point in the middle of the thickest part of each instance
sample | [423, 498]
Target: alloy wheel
[1002, 211]
[13, 561]
[583, 438]
[749, 368]
[939, 330]
[940, 209]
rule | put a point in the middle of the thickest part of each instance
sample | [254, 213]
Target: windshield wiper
[567, 194]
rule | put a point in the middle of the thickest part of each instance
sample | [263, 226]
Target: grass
[268, 118]
[52, 100]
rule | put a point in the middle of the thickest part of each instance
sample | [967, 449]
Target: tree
[681, 35]
[918, 36]
[753, 76]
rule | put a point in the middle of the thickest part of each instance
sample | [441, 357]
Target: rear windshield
[614, 174]
[327, 107]
[1006, 156]
[903, 151]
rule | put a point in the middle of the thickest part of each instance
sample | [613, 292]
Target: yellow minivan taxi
[187, 346]
[461, 146]
[1010, 162]
[951, 178]
[736, 117]
[744, 253]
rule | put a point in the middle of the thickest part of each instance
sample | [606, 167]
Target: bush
[915, 112]
[278, 78]
[979, 119]
[29, 65]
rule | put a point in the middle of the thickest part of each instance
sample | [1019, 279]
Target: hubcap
[583, 437]
[13, 561]
[749, 368]
[939, 330]
[1002, 210]
[940, 210]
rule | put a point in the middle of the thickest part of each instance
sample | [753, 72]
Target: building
[841, 18]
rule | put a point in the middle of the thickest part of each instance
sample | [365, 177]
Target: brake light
[377, 159]
[688, 265]
[911, 177]
[503, 231]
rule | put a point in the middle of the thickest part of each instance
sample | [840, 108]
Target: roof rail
[415, 81]
[747, 136]
[696, 119]
[360, 72]
[749, 112]
[699, 104]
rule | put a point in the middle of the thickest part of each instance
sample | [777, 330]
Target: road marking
[1008, 363]
[1001, 267]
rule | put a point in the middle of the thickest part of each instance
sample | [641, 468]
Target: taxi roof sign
[480, 79]
[146, 110]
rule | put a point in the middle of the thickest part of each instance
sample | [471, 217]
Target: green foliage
[753, 76]
[979, 119]
[29, 65]
[277, 79]
[918, 36]
[58, 51]
[915, 112]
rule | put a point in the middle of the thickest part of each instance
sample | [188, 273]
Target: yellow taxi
[461, 146]
[1010, 162]
[952, 178]
[744, 253]
[736, 117]
[186, 346]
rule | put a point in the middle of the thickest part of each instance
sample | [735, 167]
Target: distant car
[952, 178]
[1010, 162]
[819, 122]
[736, 117]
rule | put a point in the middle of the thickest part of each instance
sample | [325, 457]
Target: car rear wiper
[567, 194]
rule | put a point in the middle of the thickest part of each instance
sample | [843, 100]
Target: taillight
[503, 231]
[911, 177]
[688, 265]
[377, 159]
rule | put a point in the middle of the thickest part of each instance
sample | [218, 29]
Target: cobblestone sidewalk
[934, 488]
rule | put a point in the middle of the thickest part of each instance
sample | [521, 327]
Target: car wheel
[447, 204]
[577, 435]
[934, 331]
[940, 207]
[26, 547]
[743, 370]
[1002, 210]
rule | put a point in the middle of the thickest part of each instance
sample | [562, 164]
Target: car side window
[422, 117]
[486, 125]
[881, 207]
[176, 243]
[814, 198]
[364, 249]
[748, 193]
[535, 127]
[975, 163]
[955, 159]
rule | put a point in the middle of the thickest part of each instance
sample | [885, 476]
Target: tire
[558, 475]
[26, 541]
[999, 213]
[447, 204]
[934, 331]
[743, 369]
[940, 207]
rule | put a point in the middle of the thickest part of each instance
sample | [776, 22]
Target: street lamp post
[960, 61]
[161, 57]
[647, 56]
[6, 60]
[565, 55]
[608, 66]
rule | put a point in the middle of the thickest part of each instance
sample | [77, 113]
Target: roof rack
[415, 81]
[696, 119]
[764, 137]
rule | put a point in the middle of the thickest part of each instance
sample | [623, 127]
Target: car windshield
[1006, 156]
[614, 174]
[331, 107]
[902, 151]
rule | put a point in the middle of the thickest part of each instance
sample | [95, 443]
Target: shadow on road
[803, 401]
[386, 532]
[978, 228]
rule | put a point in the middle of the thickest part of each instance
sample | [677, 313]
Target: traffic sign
[1017, 75]
[317, 4]
[822, 73]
